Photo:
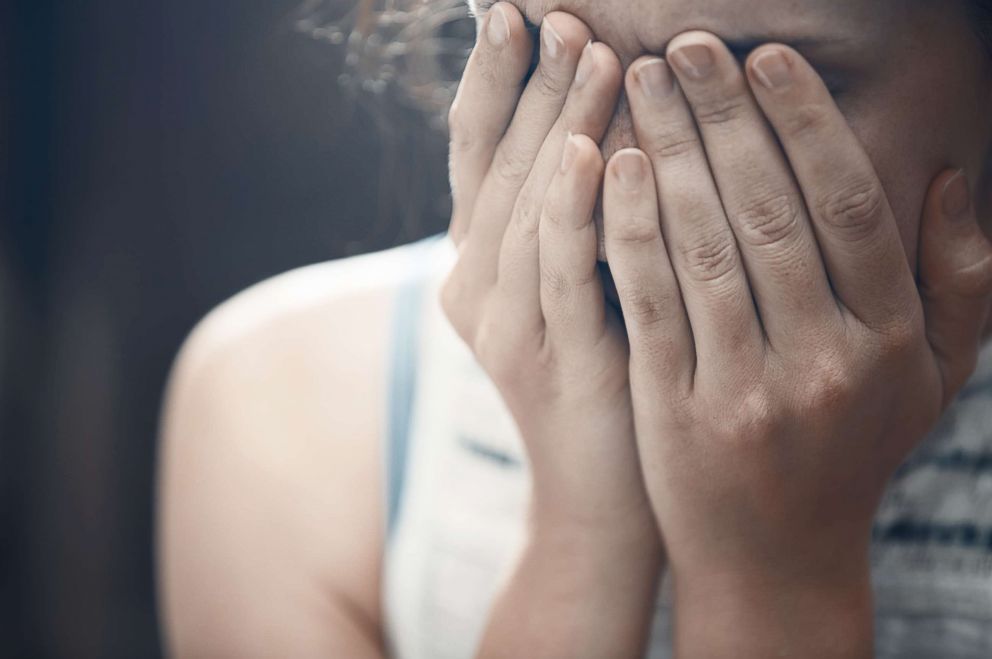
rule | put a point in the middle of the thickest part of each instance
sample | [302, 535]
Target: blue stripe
[403, 377]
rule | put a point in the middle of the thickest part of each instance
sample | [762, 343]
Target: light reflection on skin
[911, 77]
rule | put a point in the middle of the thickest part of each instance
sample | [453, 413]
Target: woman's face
[911, 77]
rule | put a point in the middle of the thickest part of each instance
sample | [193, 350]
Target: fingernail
[695, 60]
[772, 69]
[568, 153]
[553, 45]
[655, 78]
[587, 65]
[630, 169]
[498, 28]
[957, 196]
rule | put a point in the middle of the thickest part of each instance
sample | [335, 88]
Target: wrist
[812, 613]
[626, 529]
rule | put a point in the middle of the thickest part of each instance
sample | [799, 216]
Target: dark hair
[400, 61]
[416, 49]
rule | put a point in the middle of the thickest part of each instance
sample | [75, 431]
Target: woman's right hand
[526, 294]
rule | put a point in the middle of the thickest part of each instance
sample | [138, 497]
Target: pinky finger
[657, 325]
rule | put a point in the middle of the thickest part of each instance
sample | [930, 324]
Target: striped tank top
[458, 485]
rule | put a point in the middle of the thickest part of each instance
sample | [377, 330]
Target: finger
[562, 40]
[760, 196]
[487, 96]
[472, 280]
[572, 298]
[660, 337]
[955, 279]
[702, 245]
[854, 225]
[587, 112]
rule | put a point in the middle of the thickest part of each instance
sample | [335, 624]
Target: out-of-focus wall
[163, 155]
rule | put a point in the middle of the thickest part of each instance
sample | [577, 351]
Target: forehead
[647, 25]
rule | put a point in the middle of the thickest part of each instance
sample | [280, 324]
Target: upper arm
[270, 519]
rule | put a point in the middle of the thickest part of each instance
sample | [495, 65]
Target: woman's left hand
[784, 361]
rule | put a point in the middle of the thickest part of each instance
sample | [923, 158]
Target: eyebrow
[740, 46]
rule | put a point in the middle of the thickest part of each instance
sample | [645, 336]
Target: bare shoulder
[271, 502]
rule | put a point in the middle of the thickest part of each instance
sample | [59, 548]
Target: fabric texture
[457, 521]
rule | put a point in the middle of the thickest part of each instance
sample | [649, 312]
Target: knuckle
[747, 420]
[554, 281]
[802, 120]
[673, 143]
[633, 230]
[644, 306]
[550, 83]
[974, 282]
[769, 221]
[719, 111]
[831, 385]
[466, 133]
[853, 210]
[553, 217]
[511, 166]
[901, 336]
[526, 219]
[711, 258]
[753, 421]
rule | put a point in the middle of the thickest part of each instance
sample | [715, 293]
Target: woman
[761, 432]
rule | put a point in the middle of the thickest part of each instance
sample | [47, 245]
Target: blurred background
[157, 157]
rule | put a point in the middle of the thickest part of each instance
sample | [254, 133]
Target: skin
[776, 331]
[901, 77]
[270, 542]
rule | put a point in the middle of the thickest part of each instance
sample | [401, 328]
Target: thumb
[955, 279]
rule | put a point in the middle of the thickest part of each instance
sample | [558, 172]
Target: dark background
[157, 156]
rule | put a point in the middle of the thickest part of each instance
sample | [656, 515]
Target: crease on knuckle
[526, 220]
[711, 258]
[633, 230]
[644, 306]
[853, 211]
[560, 221]
[806, 119]
[511, 166]
[674, 143]
[562, 283]
[769, 221]
[551, 83]
[719, 111]
[554, 281]
[586, 277]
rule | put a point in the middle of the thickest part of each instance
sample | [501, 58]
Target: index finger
[854, 224]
